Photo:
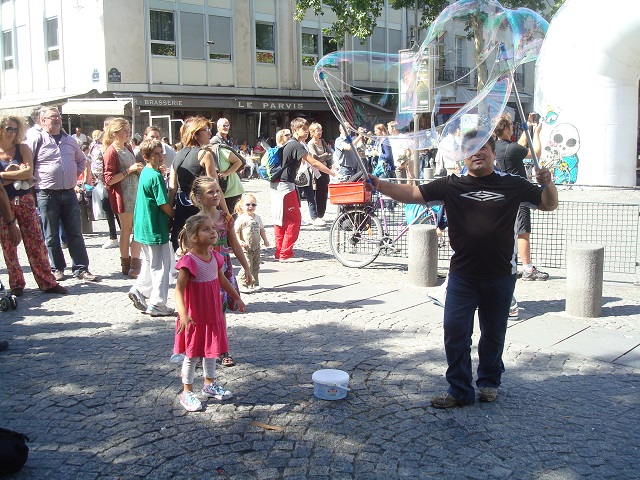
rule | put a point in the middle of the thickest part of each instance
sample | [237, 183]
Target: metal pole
[525, 126]
[416, 153]
[416, 34]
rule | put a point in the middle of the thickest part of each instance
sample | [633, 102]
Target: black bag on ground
[13, 451]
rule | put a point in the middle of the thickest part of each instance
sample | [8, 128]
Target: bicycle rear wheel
[356, 238]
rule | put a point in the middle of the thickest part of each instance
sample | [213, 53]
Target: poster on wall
[414, 82]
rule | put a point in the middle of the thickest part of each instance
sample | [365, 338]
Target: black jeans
[111, 218]
[322, 193]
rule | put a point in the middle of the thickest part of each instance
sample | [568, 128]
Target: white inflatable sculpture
[587, 92]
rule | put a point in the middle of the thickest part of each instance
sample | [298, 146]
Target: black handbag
[224, 183]
[13, 451]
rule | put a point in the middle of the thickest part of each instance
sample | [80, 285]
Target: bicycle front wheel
[356, 238]
[428, 218]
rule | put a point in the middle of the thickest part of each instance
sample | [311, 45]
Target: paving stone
[109, 407]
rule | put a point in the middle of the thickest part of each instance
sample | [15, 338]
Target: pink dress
[208, 336]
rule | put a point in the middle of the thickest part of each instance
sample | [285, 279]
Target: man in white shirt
[79, 136]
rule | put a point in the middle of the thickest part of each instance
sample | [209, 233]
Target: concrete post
[87, 225]
[585, 264]
[423, 255]
[427, 173]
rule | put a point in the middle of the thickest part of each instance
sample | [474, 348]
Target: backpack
[275, 163]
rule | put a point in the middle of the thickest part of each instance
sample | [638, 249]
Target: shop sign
[159, 102]
[222, 103]
[261, 105]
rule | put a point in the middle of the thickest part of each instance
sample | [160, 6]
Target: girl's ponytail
[183, 240]
[197, 187]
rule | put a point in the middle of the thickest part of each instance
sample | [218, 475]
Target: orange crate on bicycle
[348, 193]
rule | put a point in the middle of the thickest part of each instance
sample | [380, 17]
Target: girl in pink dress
[200, 328]
[206, 195]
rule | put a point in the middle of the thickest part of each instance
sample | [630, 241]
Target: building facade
[160, 61]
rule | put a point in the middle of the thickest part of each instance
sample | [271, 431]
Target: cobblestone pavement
[88, 378]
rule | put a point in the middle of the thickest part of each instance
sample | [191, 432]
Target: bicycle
[362, 232]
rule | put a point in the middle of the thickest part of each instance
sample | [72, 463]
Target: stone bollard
[87, 225]
[585, 264]
[423, 255]
[427, 173]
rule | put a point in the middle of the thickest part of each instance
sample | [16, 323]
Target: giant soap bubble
[504, 39]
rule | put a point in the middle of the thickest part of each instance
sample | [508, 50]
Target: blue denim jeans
[492, 298]
[61, 207]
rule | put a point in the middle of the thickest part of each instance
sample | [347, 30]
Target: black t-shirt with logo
[481, 212]
[292, 155]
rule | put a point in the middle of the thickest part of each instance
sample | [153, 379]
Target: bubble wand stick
[525, 127]
[365, 176]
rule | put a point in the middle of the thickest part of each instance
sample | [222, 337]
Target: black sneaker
[534, 274]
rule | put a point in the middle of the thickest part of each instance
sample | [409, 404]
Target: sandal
[226, 360]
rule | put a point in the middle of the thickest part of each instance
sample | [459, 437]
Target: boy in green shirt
[151, 229]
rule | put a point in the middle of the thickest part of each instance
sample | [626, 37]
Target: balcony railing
[462, 75]
[444, 75]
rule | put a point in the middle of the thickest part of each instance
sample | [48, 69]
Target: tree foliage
[358, 17]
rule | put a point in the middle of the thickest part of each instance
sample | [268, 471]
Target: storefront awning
[24, 107]
[96, 107]
[449, 108]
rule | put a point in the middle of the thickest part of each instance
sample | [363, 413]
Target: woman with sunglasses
[16, 173]
[193, 160]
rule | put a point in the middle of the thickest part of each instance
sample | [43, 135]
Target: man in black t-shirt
[509, 156]
[481, 210]
[285, 205]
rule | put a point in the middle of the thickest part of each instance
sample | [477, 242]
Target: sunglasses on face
[10, 130]
[287, 134]
[226, 125]
[251, 204]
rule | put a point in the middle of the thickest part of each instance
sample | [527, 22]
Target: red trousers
[287, 234]
[33, 241]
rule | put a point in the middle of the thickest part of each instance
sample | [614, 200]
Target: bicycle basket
[348, 193]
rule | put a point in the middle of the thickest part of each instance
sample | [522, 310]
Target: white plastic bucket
[330, 384]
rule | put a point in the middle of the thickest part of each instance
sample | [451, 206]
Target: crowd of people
[188, 204]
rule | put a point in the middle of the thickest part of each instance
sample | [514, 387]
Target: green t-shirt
[234, 185]
[149, 222]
